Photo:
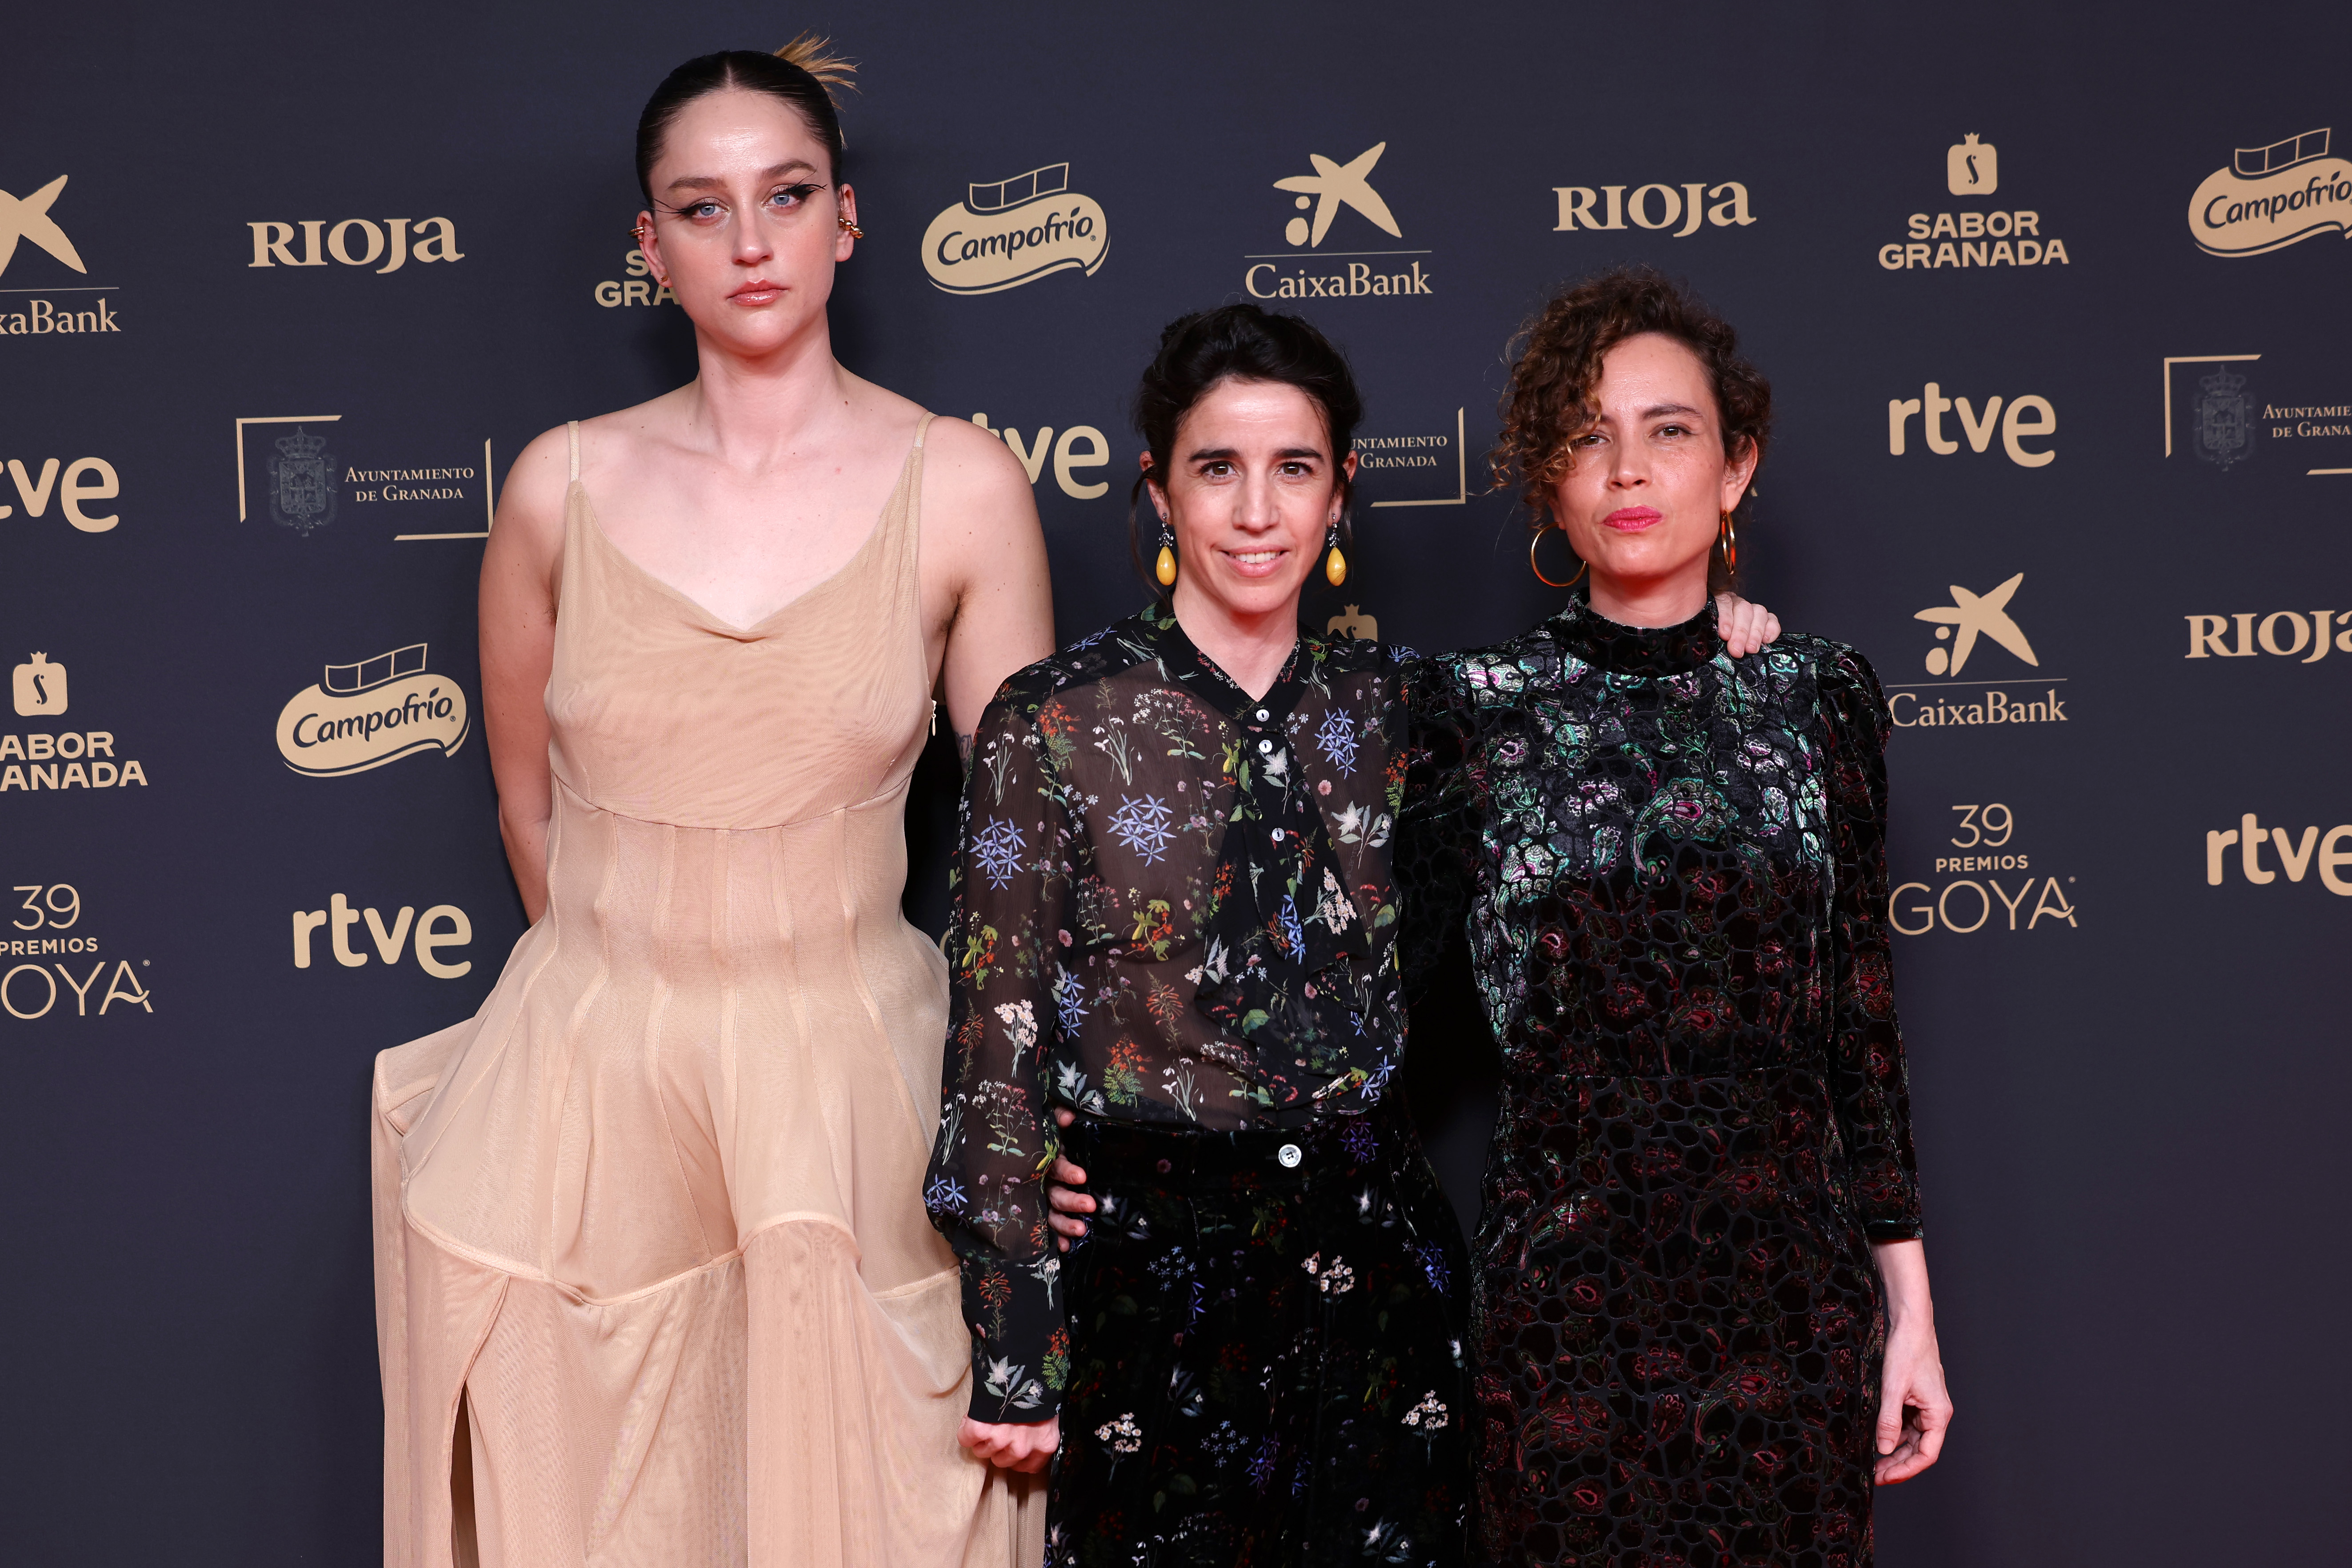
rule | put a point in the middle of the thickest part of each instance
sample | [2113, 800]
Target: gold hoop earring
[1581, 565]
[852, 230]
[1728, 534]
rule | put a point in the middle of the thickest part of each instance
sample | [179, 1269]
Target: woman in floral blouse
[1174, 919]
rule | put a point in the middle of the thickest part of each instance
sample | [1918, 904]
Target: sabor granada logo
[2271, 197]
[58, 759]
[2001, 237]
[363, 715]
[1015, 232]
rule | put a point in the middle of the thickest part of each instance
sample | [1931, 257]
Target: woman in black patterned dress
[1174, 922]
[1701, 1324]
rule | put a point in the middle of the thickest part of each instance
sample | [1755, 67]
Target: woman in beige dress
[654, 1280]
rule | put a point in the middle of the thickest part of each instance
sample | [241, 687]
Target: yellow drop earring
[1335, 565]
[1166, 568]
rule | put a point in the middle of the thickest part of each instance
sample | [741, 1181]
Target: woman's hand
[1744, 628]
[1063, 1199]
[1026, 1448]
[1914, 1410]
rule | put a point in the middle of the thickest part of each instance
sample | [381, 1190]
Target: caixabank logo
[361, 715]
[64, 303]
[1973, 237]
[1338, 201]
[1997, 695]
[1016, 231]
[2269, 198]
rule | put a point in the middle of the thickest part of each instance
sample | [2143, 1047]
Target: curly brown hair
[1557, 365]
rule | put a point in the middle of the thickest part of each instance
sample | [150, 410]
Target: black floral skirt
[1265, 1352]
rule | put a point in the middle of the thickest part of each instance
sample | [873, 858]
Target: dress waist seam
[883, 798]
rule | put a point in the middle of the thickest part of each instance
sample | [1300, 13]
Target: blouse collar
[1637, 650]
[1185, 664]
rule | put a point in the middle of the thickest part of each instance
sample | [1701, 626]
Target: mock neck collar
[1637, 650]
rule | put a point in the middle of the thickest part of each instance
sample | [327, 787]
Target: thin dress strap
[923, 429]
[572, 427]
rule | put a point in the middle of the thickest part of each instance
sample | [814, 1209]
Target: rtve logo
[2295, 855]
[436, 239]
[2282, 633]
[443, 925]
[2025, 416]
[1069, 455]
[83, 480]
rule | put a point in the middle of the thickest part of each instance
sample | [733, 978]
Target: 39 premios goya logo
[1348, 270]
[53, 299]
[1973, 237]
[363, 715]
[1016, 231]
[2271, 197]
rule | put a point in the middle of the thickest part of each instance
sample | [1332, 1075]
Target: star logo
[1975, 616]
[29, 218]
[1334, 186]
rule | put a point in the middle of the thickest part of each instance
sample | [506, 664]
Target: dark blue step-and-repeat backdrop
[2054, 300]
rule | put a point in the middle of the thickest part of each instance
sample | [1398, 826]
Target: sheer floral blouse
[1172, 905]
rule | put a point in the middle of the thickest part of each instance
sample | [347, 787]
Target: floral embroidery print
[1671, 869]
[1173, 906]
[1142, 826]
[996, 850]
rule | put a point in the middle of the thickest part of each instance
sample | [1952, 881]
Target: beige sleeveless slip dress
[655, 1213]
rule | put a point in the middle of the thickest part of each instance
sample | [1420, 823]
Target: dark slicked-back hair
[1558, 367]
[1238, 343]
[802, 74]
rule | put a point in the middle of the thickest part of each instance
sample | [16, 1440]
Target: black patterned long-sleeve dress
[1175, 917]
[1672, 869]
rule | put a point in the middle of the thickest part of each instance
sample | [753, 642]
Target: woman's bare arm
[520, 566]
[989, 602]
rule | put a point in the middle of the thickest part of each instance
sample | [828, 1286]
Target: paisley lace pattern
[1671, 869]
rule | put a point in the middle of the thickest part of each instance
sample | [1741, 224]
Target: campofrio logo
[363, 715]
[1015, 232]
[2271, 197]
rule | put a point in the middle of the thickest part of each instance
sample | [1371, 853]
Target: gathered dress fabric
[1671, 867]
[1174, 917]
[654, 1280]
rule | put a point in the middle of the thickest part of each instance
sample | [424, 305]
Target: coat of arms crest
[2224, 430]
[302, 482]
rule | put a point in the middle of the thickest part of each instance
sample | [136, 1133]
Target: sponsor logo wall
[274, 332]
